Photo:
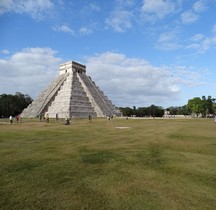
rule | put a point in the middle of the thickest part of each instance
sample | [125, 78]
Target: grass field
[151, 164]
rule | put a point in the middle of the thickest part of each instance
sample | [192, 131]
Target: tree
[155, 111]
[141, 112]
[184, 110]
[209, 105]
[178, 110]
[134, 111]
[194, 105]
[204, 106]
[13, 104]
[214, 108]
[126, 111]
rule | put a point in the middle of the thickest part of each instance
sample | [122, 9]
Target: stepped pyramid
[71, 94]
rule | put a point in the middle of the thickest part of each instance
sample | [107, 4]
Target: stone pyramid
[71, 94]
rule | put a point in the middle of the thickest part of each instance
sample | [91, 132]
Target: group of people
[46, 117]
[67, 120]
[17, 117]
[109, 117]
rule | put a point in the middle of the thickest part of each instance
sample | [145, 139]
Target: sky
[139, 52]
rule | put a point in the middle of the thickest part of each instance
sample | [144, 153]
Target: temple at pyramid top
[71, 94]
[72, 66]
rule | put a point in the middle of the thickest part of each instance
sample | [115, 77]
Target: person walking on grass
[47, 117]
[90, 118]
[40, 117]
[11, 119]
[17, 118]
[67, 121]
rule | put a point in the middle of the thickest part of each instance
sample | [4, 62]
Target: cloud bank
[35, 8]
[132, 81]
[126, 81]
[28, 71]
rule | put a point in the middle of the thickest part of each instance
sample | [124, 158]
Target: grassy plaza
[117, 164]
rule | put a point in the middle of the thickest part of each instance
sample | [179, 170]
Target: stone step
[72, 93]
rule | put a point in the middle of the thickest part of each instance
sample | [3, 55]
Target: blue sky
[139, 52]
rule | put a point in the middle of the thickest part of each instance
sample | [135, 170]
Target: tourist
[11, 119]
[56, 116]
[108, 118]
[90, 118]
[67, 121]
[215, 119]
[17, 118]
[40, 117]
[47, 117]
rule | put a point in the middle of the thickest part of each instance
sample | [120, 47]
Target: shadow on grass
[151, 156]
[98, 157]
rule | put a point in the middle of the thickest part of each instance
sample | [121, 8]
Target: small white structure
[166, 113]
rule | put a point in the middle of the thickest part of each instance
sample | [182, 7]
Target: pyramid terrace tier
[71, 94]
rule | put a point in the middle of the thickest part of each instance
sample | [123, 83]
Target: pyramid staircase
[71, 94]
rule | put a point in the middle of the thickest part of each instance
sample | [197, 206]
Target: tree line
[12, 105]
[151, 111]
[204, 107]
[199, 106]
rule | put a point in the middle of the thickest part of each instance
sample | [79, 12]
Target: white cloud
[197, 37]
[193, 14]
[166, 37]
[28, 71]
[120, 20]
[187, 75]
[157, 9]
[207, 43]
[85, 31]
[90, 8]
[189, 17]
[63, 28]
[122, 17]
[5, 52]
[168, 41]
[202, 43]
[35, 8]
[125, 3]
[193, 46]
[94, 7]
[199, 6]
[132, 81]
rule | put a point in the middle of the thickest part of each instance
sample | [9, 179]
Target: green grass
[153, 164]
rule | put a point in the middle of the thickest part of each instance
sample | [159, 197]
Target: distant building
[166, 113]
